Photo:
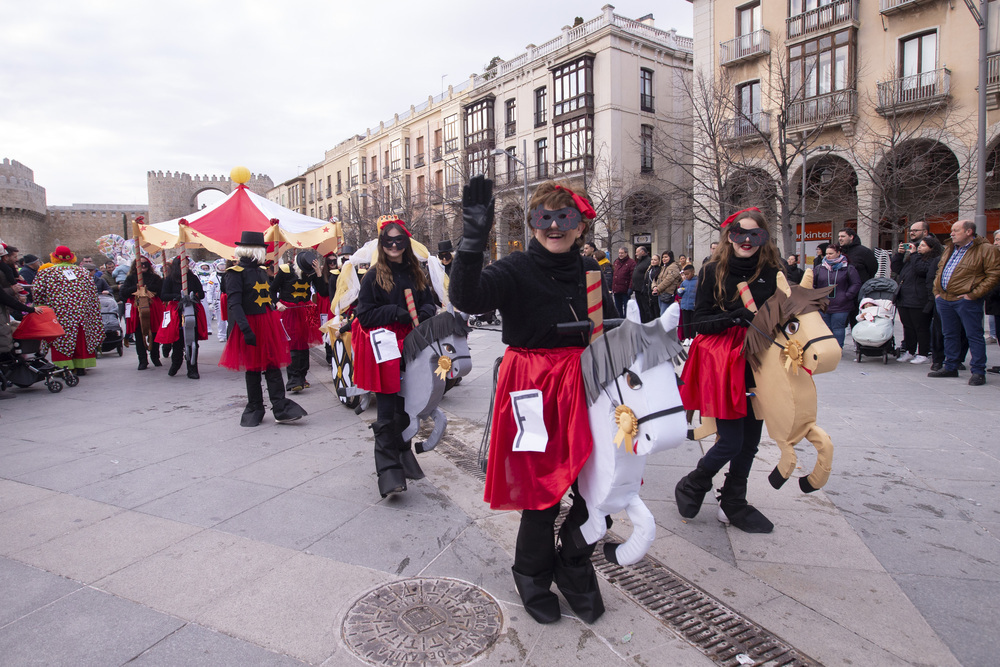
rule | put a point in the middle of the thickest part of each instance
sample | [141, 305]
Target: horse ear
[783, 284]
[671, 317]
[632, 311]
[807, 279]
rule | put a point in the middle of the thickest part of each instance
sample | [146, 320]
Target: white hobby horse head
[635, 409]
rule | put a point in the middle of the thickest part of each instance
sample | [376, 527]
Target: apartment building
[876, 97]
[583, 106]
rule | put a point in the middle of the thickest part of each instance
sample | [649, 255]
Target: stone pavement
[139, 523]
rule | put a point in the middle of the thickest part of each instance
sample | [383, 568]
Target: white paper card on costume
[166, 320]
[128, 310]
[69, 274]
[384, 345]
[528, 407]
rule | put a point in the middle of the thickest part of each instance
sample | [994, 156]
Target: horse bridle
[784, 348]
[621, 399]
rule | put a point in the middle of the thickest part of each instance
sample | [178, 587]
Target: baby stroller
[872, 334]
[114, 337]
[24, 365]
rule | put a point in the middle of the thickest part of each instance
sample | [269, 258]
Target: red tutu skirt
[714, 376]
[322, 305]
[224, 306]
[518, 480]
[171, 331]
[301, 322]
[369, 375]
[155, 315]
[271, 350]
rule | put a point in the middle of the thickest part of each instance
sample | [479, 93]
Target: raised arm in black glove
[477, 215]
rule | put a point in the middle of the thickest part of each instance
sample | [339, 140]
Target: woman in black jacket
[715, 378]
[915, 300]
[172, 329]
[153, 284]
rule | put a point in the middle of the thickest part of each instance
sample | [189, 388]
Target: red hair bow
[387, 219]
[735, 216]
[585, 208]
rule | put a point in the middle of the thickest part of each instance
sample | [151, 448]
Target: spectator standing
[30, 269]
[670, 278]
[607, 269]
[836, 271]
[649, 307]
[914, 301]
[908, 249]
[8, 264]
[688, 290]
[968, 271]
[993, 301]
[639, 275]
[820, 253]
[862, 258]
[621, 283]
[794, 271]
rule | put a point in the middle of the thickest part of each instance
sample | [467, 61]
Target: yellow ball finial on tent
[240, 175]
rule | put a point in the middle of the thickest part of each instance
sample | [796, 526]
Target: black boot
[329, 355]
[143, 360]
[154, 356]
[539, 601]
[577, 581]
[690, 491]
[285, 409]
[734, 507]
[391, 476]
[407, 458]
[296, 379]
[253, 414]
[176, 357]
[193, 371]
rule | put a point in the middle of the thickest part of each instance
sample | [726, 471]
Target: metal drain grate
[719, 632]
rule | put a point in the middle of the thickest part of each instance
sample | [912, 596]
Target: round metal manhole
[423, 621]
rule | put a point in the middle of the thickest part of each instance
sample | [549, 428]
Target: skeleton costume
[256, 342]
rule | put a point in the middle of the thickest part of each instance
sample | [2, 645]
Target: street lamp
[523, 163]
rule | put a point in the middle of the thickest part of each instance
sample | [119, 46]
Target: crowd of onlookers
[945, 292]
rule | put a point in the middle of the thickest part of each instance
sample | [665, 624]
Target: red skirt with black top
[301, 322]
[369, 375]
[170, 331]
[271, 350]
[714, 377]
[538, 480]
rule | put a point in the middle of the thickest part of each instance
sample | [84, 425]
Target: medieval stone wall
[22, 207]
[173, 195]
[80, 225]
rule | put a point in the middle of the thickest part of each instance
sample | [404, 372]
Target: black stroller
[114, 337]
[873, 333]
[25, 365]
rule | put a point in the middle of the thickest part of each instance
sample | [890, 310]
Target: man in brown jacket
[968, 270]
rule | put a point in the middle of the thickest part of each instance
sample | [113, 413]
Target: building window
[340, 210]
[511, 164]
[540, 111]
[340, 184]
[541, 161]
[574, 144]
[748, 19]
[438, 145]
[748, 104]
[510, 118]
[796, 7]
[647, 148]
[646, 89]
[352, 173]
[451, 133]
[395, 155]
[918, 60]
[823, 65]
[479, 123]
[573, 87]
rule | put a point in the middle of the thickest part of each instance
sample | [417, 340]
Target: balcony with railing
[821, 19]
[745, 47]
[834, 108]
[436, 155]
[542, 170]
[510, 129]
[329, 192]
[450, 145]
[646, 102]
[451, 191]
[354, 181]
[373, 176]
[888, 7]
[916, 92]
[418, 160]
[747, 129]
[340, 188]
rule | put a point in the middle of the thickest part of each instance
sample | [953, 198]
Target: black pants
[737, 445]
[937, 341]
[916, 330]
[535, 549]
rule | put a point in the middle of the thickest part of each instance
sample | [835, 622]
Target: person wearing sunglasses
[133, 326]
[383, 320]
[542, 299]
[714, 377]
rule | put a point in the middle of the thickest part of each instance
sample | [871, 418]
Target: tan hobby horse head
[786, 345]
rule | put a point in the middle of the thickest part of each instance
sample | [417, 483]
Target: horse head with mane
[786, 345]
[634, 409]
[435, 351]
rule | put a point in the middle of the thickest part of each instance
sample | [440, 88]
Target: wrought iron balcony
[829, 109]
[748, 128]
[451, 191]
[915, 92]
[437, 153]
[418, 160]
[745, 47]
[450, 145]
[821, 19]
[354, 181]
[510, 129]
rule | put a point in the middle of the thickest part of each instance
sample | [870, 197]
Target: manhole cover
[425, 621]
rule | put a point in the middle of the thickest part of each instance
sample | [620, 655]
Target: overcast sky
[94, 94]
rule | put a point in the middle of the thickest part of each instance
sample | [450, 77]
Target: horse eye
[632, 380]
[792, 328]
[448, 347]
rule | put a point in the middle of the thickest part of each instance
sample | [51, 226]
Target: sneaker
[990, 340]
[919, 359]
[977, 380]
[906, 356]
[943, 373]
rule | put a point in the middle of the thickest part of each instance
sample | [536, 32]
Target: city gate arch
[174, 194]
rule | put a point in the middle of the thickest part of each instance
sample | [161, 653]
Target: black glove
[742, 317]
[250, 338]
[477, 215]
[403, 315]
[426, 312]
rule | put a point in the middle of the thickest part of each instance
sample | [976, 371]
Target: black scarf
[744, 266]
[564, 267]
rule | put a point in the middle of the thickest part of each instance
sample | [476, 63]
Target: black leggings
[535, 550]
[916, 330]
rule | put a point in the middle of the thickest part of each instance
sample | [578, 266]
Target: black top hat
[252, 238]
[305, 259]
[347, 250]
[445, 246]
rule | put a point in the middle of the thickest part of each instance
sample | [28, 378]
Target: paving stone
[140, 486]
[25, 589]
[210, 502]
[38, 522]
[196, 645]
[14, 494]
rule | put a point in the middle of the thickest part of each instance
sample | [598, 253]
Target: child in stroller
[114, 338]
[24, 365]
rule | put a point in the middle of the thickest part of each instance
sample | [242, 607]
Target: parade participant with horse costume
[540, 436]
[717, 376]
[291, 289]
[395, 296]
[182, 288]
[256, 343]
[143, 310]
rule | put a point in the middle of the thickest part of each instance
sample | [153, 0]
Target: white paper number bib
[527, 407]
[384, 345]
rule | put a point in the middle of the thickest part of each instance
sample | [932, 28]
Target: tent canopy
[218, 227]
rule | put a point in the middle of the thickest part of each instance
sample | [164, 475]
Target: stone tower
[172, 195]
[22, 207]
